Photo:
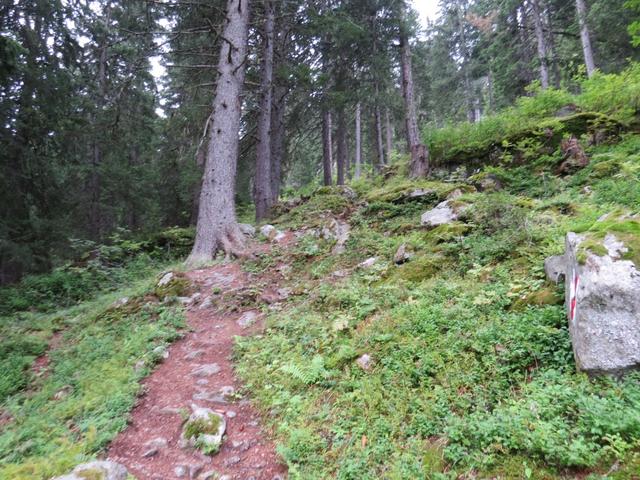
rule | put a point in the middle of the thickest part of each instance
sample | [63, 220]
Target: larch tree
[217, 227]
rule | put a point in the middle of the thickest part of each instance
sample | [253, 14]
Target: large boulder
[98, 470]
[602, 298]
[339, 231]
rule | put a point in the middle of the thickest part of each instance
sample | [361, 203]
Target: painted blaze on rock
[602, 299]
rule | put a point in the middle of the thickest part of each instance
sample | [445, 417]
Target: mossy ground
[473, 372]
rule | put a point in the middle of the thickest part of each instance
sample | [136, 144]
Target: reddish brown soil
[246, 452]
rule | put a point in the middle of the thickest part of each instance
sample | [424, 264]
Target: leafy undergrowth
[607, 102]
[96, 351]
[472, 373]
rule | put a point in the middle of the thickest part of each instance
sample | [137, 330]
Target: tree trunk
[464, 53]
[419, 166]
[581, 8]
[389, 134]
[358, 146]
[277, 139]
[555, 65]
[342, 147]
[262, 183]
[378, 133]
[327, 156]
[542, 44]
[217, 226]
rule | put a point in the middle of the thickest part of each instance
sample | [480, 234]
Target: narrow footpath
[198, 372]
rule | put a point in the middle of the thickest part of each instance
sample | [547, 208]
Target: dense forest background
[93, 146]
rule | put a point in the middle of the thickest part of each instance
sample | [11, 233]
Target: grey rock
[161, 351]
[210, 440]
[555, 268]
[442, 214]
[271, 233]
[339, 231]
[181, 471]
[455, 194]
[194, 354]
[231, 414]
[150, 453]
[210, 475]
[165, 279]
[212, 397]
[206, 303]
[401, 256]
[109, 471]
[206, 370]
[488, 182]
[247, 319]
[365, 362]
[248, 230]
[158, 442]
[232, 461]
[603, 305]
[226, 477]
[368, 263]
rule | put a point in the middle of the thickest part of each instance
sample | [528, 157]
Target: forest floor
[150, 446]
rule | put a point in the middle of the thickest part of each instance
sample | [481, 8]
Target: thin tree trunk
[419, 166]
[542, 44]
[262, 182]
[327, 143]
[389, 134]
[585, 37]
[277, 139]
[358, 147]
[378, 133]
[217, 225]
[464, 51]
[555, 65]
[341, 157]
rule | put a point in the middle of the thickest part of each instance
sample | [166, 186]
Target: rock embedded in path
[101, 470]
[247, 319]
[602, 299]
[204, 430]
[206, 370]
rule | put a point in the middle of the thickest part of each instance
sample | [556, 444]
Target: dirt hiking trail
[198, 371]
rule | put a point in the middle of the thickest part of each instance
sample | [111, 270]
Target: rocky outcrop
[98, 470]
[339, 231]
[602, 298]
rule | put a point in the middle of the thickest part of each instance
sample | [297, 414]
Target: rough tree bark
[341, 152]
[389, 134]
[419, 165]
[585, 37]
[358, 146]
[217, 226]
[327, 142]
[262, 182]
[542, 44]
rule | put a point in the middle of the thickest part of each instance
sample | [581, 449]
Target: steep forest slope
[393, 349]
